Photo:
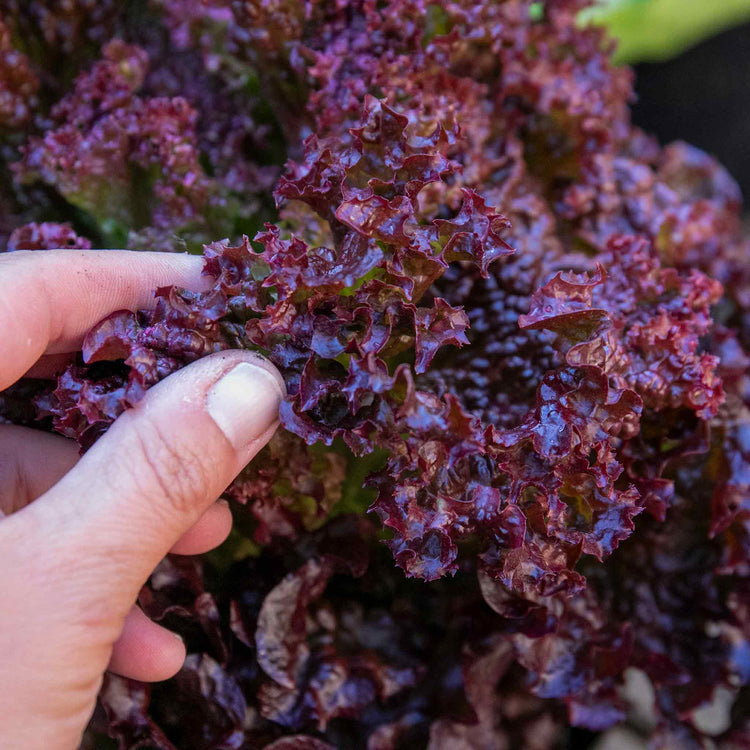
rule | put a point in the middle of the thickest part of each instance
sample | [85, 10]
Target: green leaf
[652, 30]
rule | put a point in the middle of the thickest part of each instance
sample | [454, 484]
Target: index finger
[50, 299]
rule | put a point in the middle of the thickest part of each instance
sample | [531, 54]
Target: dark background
[702, 97]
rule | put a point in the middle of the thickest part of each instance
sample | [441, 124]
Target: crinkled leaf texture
[511, 326]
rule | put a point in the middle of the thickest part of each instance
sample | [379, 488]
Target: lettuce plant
[512, 477]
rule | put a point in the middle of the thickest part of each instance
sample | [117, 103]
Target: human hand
[80, 536]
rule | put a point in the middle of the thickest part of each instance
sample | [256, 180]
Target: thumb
[72, 562]
[102, 529]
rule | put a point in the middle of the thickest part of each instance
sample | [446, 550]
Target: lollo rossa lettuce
[512, 476]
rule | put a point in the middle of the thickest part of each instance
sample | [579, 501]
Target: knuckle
[171, 467]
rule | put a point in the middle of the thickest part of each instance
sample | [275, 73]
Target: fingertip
[244, 403]
[146, 651]
[184, 269]
[209, 532]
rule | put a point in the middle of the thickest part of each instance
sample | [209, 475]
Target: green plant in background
[651, 30]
